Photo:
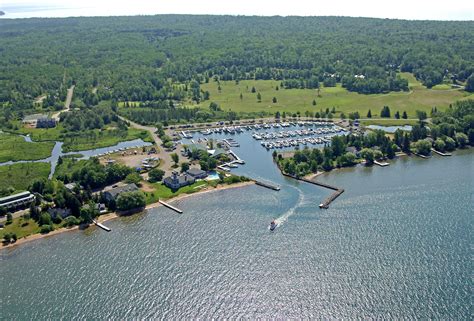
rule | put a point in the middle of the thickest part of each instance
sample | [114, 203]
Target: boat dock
[232, 164]
[170, 207]
[382, 164]
[102, 226]
[422, 156]
[440, 153]
[267, 185]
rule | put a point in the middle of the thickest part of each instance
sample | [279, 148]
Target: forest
[162, 61]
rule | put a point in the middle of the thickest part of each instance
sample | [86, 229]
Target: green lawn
[40, 134]
[98, 139]
[20, 176]
[14, 148]
[84, 140]
[69, 165]
[293, 100]
[389, 122]
[162, 192]
[21, 228]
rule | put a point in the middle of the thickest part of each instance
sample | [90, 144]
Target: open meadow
[294, 100]
[14, 148]
[19, 176]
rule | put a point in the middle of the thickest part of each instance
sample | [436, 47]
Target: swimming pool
[212, 176]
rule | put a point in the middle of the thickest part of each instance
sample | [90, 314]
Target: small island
[2, 13]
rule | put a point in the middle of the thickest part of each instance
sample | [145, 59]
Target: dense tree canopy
[165, 58]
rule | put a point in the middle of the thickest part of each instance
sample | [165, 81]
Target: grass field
[293, 100]
[84, 140]
[20, 176]
[103, 139]
[14, 148]
[162, 192]
[40, 134]
[68, 166]
[21, 228]
[389, 122]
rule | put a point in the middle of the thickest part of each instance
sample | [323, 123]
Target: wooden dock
[440, 153]
[170, 207]
[102, 226]
[267, 185]
[381, 164]
[325, 204]
[422, 156]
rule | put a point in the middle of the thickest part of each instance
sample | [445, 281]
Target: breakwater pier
[325, 204]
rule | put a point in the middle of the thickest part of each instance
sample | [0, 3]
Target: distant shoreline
[110, 216]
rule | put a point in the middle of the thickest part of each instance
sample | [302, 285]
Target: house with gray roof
[114, 192]
[197, 173]
[176, 181]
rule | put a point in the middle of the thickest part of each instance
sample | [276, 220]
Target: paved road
[67, 104]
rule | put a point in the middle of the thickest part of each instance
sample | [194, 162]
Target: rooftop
[121, 189]
[35, 117]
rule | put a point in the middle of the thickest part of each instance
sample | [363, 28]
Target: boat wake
[282, 219]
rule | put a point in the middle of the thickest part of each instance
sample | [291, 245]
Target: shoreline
[114, 215]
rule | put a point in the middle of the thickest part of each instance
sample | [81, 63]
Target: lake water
[396, 244]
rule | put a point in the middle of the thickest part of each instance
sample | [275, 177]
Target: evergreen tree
[369, 114]
[404, 115]
[397, 115]
[406, 143]
[470, 83]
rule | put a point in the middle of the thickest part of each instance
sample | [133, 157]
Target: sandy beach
[110, 216]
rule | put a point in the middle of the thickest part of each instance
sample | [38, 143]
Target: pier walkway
[382, 164]
[102, 226]
[170, 207]
[227, 166]
[440, 153]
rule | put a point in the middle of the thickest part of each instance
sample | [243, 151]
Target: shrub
[71, 221]
[44, 229]
[155, 175]
[131, 200]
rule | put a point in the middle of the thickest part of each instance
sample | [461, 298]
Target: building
[39, 121]
[197, 173]
[176, 181]
[17, 200]
[59, 212]
[353, 150]
[115, 191]
[217, 152]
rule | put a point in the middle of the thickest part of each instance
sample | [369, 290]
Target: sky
[395, 9]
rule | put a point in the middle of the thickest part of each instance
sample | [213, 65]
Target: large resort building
[15, 201]
[39, 121]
